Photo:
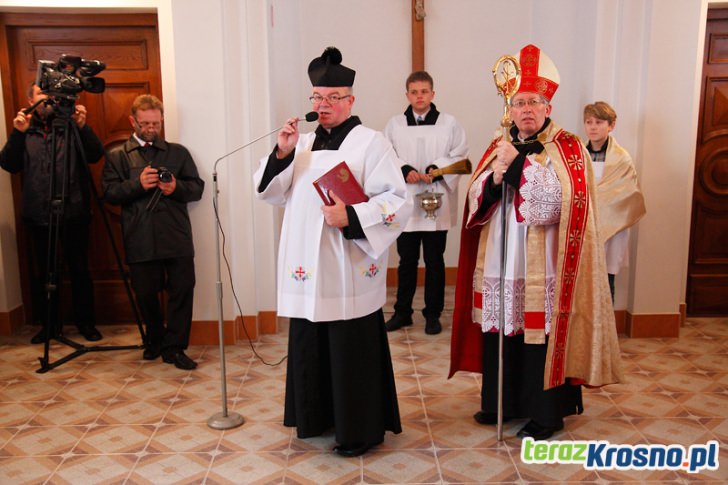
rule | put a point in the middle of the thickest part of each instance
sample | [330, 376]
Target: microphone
[310, 116]
[32, 107]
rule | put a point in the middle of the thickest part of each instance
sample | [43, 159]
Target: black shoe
[151, 352]
[350, 451]
[538, 432]
[398, 321]
[432, 326]
[90, 333]
[483, 417]
[180, 360]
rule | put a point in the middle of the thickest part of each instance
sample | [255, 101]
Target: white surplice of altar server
[425, 139]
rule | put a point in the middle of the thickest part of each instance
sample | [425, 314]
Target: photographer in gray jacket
[153, 180]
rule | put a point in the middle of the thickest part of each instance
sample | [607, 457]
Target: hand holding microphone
[288, 136]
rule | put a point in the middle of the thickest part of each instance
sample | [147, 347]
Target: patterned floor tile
[417, 466]
[257, 384]
[6, 434]
[664, 363]
[434, 366]
[261, 410]
[315, 468]
[408, 386]
[207, 388]
[685, 382]
[117, 439]
[26, 469]
[184, 438]
[109, 370]
[713, 362]
[17, 413]
[68, 413]
[30, 391]
[635, 382]
[133, 412]
[185, 468]
[642, 346]
[193, 411]
[211, 371]
[616, 431]
[94, 469]
[698, 345]
[320, 444]
[156, 369]
[90, 390]
[458, 385]
[599, 405]
[248, 468]
[48, 440]
[256, 437]
[411, 409]
[556, 472]
[111, 417]
[477, 466]
[415, 435]
[403, 366]
[469, 434]
[704, 404]
[665, 431]
[156, 390]
[717, 426]
[452, 407]
[647, 404]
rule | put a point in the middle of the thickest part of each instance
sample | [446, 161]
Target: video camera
[69, 76]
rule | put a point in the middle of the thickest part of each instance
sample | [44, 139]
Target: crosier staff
[507, 78]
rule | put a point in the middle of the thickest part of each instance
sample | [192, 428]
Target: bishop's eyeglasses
[531, 103]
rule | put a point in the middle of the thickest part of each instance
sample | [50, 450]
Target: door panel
[707, 285]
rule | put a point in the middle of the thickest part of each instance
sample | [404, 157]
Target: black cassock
[340, 376]
[523, 394]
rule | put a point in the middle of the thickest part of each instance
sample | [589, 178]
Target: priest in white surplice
[332, 266]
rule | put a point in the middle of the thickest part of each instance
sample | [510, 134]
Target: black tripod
[64, 140]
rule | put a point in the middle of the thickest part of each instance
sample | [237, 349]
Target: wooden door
[129, 46]
[707, 286]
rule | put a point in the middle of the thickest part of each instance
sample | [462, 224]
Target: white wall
[10, 292]
[233, 70]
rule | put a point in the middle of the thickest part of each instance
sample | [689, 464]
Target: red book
[343, 183]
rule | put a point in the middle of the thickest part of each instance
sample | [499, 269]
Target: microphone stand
[224, 420]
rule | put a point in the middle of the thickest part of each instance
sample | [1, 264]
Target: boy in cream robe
[619, 198]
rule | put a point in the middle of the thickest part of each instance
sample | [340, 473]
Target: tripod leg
[55, 219]
[58, 195]
[105, 218]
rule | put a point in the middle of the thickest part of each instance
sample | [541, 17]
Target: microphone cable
[311, 116]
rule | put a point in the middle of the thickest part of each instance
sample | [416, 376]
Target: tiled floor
[110, 417]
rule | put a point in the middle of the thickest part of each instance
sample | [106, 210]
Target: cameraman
[156, 227]
[29, 149]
